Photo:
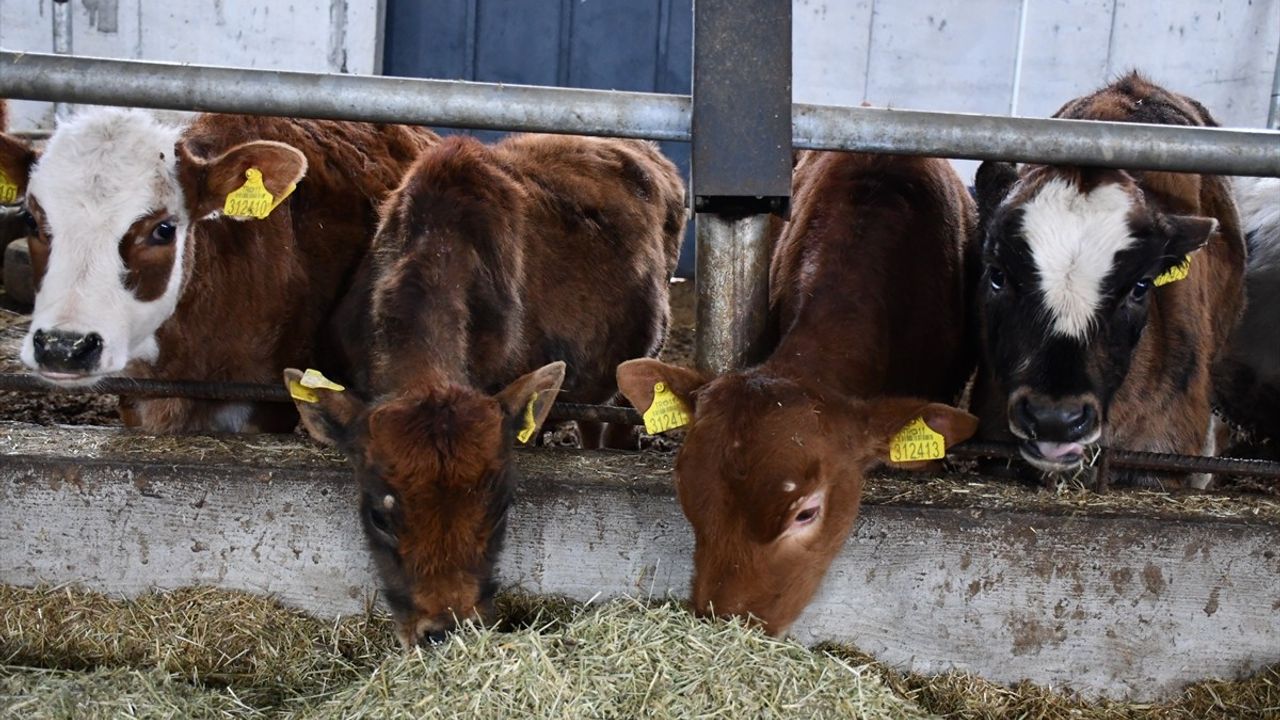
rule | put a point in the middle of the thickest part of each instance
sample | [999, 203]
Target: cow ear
[530, 397]
[992, 184]
[1186, 234]
[16, 159]
[890, 417]
[328, 414]
[208, 182]
[637, 379]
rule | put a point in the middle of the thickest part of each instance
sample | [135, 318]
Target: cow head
[114, 201]
[436, 478]
[770, 476]
[1070, 262]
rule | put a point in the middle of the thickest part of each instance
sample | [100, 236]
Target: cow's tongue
[1057, 451]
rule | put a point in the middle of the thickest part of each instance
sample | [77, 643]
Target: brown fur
[491, 262]
[279, 300]
[867, 289]
[1163, 404]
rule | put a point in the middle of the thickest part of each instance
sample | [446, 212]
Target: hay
[210, 653]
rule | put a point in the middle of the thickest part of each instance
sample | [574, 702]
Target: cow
[1107, 296]
[1247, 380]
[150, 263]
[867, 292]
[500, 277]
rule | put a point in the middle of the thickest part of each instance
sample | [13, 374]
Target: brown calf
[867, 286]
[1094, 328]
[500, 277]
[140, 271]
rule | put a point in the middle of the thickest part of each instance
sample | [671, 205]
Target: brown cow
[140, 272]
[499, 275]
[867, 287]
[1094, 328]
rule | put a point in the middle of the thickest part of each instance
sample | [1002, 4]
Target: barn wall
[932, 54]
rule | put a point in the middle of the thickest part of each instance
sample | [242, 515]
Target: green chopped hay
[204, 653]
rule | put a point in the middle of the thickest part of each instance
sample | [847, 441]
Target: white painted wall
[927, 54]
[306, 35]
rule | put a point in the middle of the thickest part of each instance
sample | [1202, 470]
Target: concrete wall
[1115, 605]
[307, 35]
[927, 54]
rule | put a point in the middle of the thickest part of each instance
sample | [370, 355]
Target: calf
[141, 271]
[1094, 328]
[867, 287]
[1247, 381]
[499, 277]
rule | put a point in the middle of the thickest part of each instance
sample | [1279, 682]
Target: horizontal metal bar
[39, 76]
[1134, 146]
[253, 392]
[257, 392]
[101, 81]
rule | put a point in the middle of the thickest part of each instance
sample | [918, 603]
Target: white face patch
[101, 172]
[1074, 238]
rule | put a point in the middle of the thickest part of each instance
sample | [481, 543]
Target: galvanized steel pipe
[732, 276]
[99, 81]
[39, 76]
[1273, 115]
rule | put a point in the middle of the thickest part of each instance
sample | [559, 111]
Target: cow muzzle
[1055, 432]
[63, 356]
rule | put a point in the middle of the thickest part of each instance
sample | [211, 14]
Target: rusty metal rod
[254, 392]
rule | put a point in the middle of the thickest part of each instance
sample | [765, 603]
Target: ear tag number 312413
[667, 412]
[917, 441]
[305, 388]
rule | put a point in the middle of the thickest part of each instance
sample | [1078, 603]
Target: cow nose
[433, 637]
[1056, 421]
[62, 351]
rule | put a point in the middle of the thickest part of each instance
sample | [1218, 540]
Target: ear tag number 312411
[253, 199]
[917, 441]
[667, 412]
[305, 388]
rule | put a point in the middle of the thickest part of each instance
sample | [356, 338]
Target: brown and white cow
[139, 271]
[867, 286]
[500, 277]
[1090, 332]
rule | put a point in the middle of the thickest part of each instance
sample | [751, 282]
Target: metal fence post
[1273, 116]
[62, 46]
[741, 168]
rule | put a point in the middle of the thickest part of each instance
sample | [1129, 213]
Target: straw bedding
[205, 653]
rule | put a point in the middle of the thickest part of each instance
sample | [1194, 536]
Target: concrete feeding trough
[1108, 603]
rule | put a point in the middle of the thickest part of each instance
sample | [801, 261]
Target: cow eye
[30, 221]
[806, 516]
[996, 277]
[1140, 290]
[163, 234]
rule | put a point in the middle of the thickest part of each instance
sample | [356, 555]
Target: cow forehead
[104, 169]
[1073, 238]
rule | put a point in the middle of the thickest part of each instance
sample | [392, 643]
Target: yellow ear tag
[530, 424]
[917, 441]
[1175, 273]
[252, 199]
[8, 190]
[311, 381]
[667, 412]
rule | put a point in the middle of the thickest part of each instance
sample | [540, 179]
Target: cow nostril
[1025, 417]
[433, 637]
[86, 346]
[39, 340]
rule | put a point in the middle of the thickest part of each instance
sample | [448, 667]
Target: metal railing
[40, 76]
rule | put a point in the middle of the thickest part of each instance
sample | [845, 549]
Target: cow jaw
[102, 172]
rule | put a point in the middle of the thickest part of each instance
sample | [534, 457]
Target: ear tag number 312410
[667, 412]
[253, 199]
[917, 441]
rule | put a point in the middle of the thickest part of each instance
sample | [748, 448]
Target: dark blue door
[643, 45]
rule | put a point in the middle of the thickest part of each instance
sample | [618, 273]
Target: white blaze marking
[103, 170]
[1074, 238]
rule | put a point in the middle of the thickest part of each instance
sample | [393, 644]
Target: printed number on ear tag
[304, 389]
[667, 412]
[253, 199]
[8, 190]
[530, 424]
[1175, 273]
[917, 441]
